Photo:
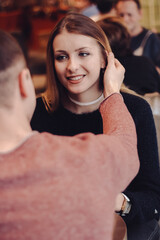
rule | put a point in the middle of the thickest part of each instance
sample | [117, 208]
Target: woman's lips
[75, 79]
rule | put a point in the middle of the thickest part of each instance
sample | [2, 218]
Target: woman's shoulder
[136, 103]
[39, 102]
[40, 111]
[40, 107]
[140, 111]
[129, 95]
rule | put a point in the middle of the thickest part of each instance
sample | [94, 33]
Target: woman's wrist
[109, 95]
[109, 92]
[125, 207]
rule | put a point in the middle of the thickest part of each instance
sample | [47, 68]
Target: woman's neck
[82, 104]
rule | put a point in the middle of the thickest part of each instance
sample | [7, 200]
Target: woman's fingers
[113, 76]
[110, 59]
[118, 64]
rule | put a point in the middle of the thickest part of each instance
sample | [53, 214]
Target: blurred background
[31, 21]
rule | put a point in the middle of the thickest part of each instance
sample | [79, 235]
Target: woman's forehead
[66, 39]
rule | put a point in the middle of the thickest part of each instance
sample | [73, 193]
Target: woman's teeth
[75, 78]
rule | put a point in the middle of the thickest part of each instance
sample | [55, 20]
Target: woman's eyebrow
[78, 49]
[60, 51]
[82, 48]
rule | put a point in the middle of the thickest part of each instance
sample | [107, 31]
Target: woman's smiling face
[78, 60]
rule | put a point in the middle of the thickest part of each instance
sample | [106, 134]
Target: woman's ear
[103, 64]
[104, 59]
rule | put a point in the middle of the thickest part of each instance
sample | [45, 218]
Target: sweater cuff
[110, 97]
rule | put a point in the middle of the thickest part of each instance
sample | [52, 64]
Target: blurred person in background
[141, 74]
[143, 42]
[106, 8]
[86, 7]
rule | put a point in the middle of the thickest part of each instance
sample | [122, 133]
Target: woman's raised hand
[113, 76]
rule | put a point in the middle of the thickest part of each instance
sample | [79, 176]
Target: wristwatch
[126, 206]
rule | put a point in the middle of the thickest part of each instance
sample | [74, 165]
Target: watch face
[127, 207]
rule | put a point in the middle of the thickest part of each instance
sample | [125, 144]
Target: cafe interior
[31, 21]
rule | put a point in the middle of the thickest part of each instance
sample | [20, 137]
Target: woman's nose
[72, 65]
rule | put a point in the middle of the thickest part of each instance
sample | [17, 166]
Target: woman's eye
[60, 57]
[83, 54]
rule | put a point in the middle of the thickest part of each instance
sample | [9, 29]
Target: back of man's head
[12, 62]
[137, 2]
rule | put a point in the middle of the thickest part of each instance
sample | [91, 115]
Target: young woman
[76, 63]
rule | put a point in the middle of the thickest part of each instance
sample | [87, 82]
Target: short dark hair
[93, 1]
[104, 6]
[12, 61]
[9, 50]
[137, 2]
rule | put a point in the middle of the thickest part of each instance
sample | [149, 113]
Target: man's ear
[140, 14]
[23, 77]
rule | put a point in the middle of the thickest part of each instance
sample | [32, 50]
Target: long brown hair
[72, 23]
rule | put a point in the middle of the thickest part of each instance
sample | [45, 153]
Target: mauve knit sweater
[64, 188]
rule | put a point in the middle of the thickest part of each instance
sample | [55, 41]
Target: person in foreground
[75, 69]
[56, 187]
